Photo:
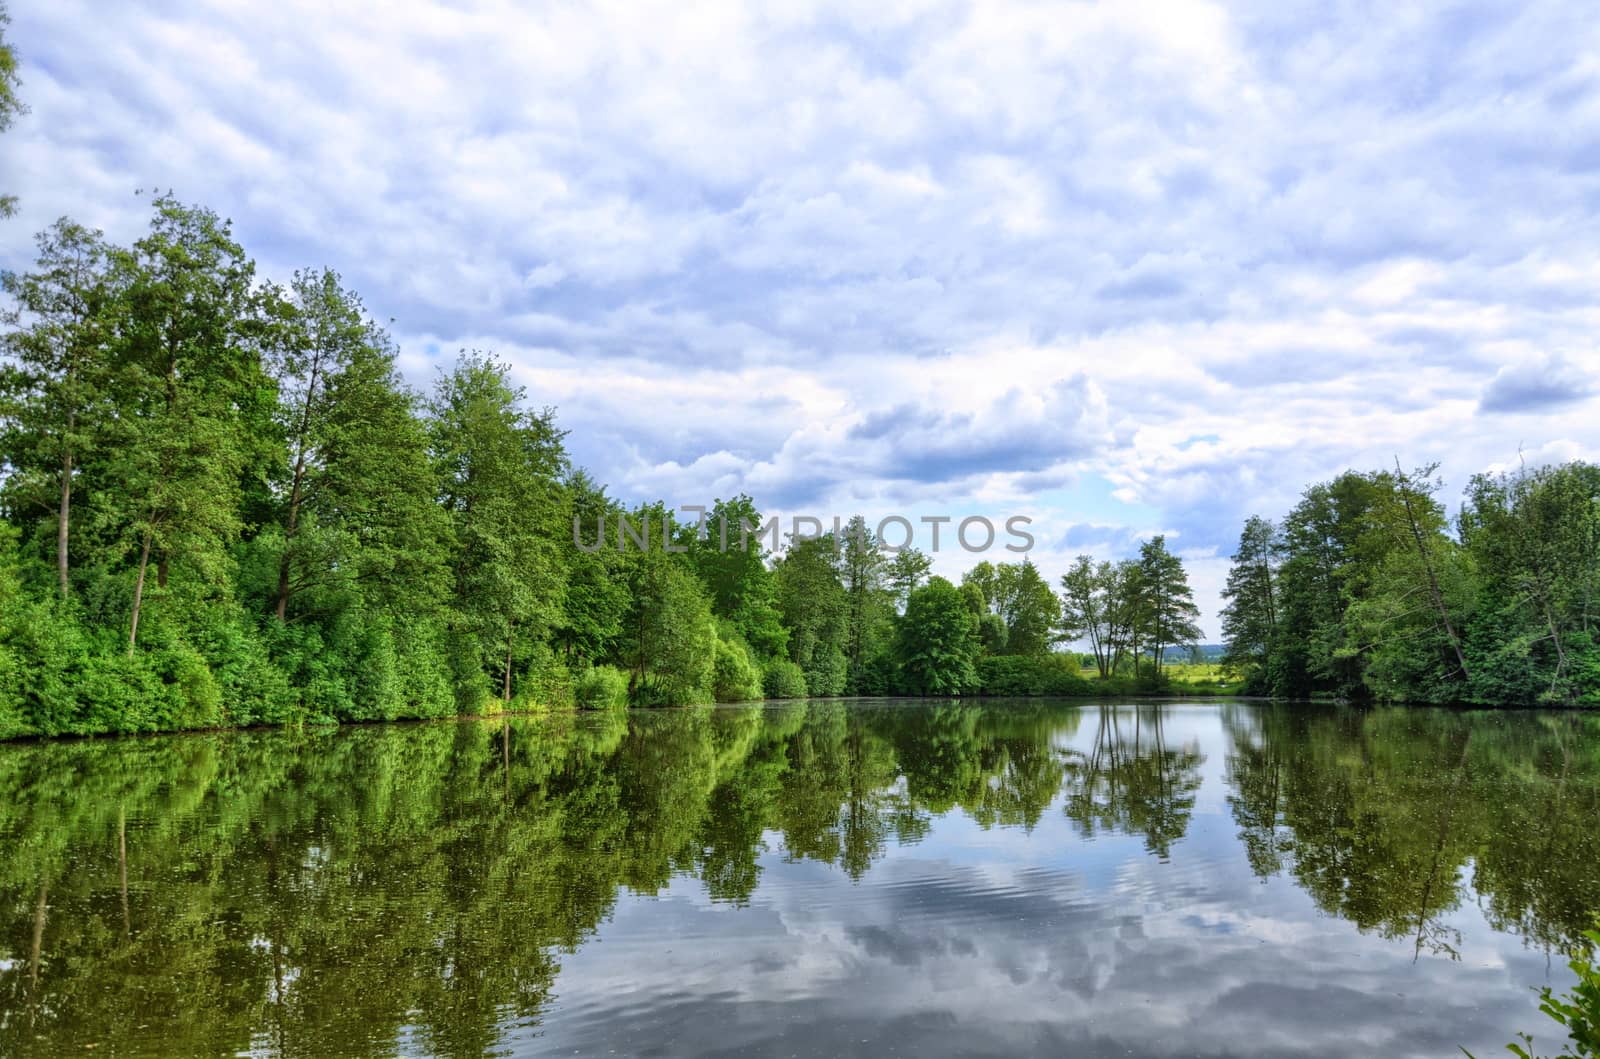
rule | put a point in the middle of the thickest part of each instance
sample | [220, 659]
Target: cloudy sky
[1124, 268]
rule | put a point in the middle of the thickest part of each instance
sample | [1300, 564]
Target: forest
[223, 505]
[1369, 591]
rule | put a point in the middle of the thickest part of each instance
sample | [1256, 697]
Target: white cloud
[721, 239]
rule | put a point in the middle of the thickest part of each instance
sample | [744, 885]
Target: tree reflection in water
[339, 892]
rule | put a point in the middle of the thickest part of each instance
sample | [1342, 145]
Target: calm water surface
[822, 878]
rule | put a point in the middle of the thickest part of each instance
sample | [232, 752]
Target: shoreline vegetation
[223, 506]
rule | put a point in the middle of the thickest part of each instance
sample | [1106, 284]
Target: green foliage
[1016, 593]
[669, 638]
[1165, 602]
[907, 569]
[590, 623]
[1532, 540]
[733, 567]
[1364, 594]
[735, 677]
[1023, 675]
[938, 642]
[221, 505]
[601, 688]
[498, 468]
[782, 679]
[1250, 616]
[10, 103]
[814, 606]
[1578, 1012]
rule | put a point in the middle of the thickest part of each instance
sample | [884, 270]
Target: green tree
[1316, 585]
[54, 390]
[499, 467]
[1533, 540]
[357, 499]
[812, 600]
[937, 646]
[191, 397]
[733, 566]
[1125, 614]
[1088, 607]
[1250, 616]
[11, 104]
[868, 624]
[669, 639]
[1023, 601]
[1169, 616]
[907, 569]
[1408, 590]
[597, 590]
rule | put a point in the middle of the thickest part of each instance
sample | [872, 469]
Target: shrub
[601, 688]
[1022, 675]
[734, 677]
[782, 679]
[547, 682]
[825, 671]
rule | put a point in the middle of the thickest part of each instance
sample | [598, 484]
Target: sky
[1122, 268]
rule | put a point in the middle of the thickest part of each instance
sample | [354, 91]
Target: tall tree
[325, 333]
[1088, 604]
[1170, 617]
[1124, 610]
[1250, 616]
[1030, 609]
[1533, 539]
[937, 646]
[862, 567]
[597, 591]
[812, 600]
[11, 104]
[669, 637]
[1023, 601]
[191, 395]
[499, 466]
[1317, 583]
[1418, 503]
[907, 569]
[368, 516]
[1407, 591]
[733, 566]
[54, 390]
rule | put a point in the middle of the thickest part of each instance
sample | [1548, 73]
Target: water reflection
[811, 878]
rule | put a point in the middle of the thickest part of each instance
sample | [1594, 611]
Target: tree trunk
[1266, 581]
[138, 592]
[505, 693]
[297, 489]
[1555, 635]
[1427, 566]
[290, 528]
[64, 518]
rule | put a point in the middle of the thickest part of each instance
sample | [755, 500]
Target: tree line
[222, 505]
[1369, 590]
